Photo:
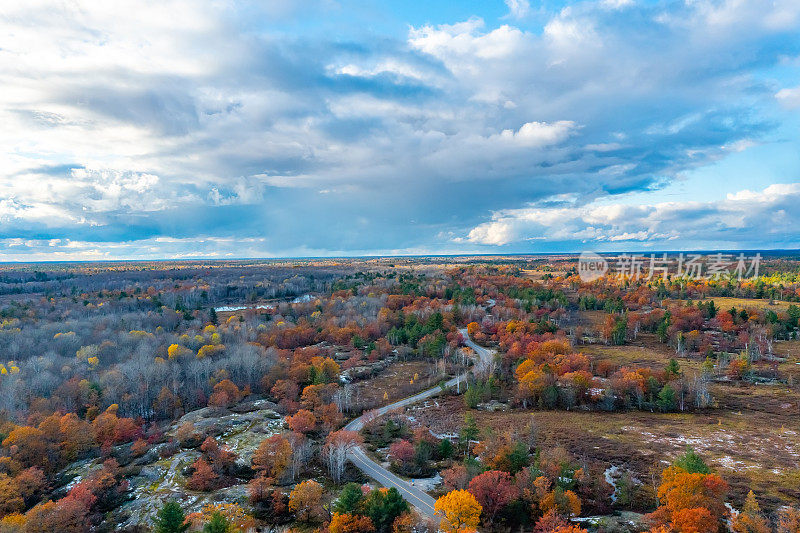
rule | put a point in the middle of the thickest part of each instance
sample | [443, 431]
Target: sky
[290, 128]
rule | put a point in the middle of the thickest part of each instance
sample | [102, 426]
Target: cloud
[789, 97]
[539, 133]
[285, 125]
[744, 219]
[518, 9]
[617, 4]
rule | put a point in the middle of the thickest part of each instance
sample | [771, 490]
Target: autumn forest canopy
[175, 396]
[347, 266]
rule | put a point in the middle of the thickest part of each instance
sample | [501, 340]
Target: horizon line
[773, 251]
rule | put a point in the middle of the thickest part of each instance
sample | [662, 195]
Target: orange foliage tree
[273, 456]
[349, 523]
[551, 522]
[225, 394]
[203, 478]
[28, 446]
[692, 499]
[303, 421]
[562, 502]
[789, 520]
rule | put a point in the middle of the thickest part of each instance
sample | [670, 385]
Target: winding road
[415, 496]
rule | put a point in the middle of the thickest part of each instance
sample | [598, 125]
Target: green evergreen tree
[673, 369]
[667, 399]
[473, 396]
[358, 342]
[793, 314]
[383, 508]
[445, 449]
[436, 321]
[692, 463]
[349, 499]
[619, 331]
[217, 524]
[661, 332]
[516, 458]
[469, 431]
[170, 519]
[707, 367]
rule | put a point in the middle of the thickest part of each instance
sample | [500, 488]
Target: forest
[214, 396]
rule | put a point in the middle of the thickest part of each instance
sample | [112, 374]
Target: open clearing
[752, 444]
[397, 381]
[725, 303]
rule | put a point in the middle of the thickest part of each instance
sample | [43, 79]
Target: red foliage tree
[203, 478]
[402, 452]
[225, 394]
[494, 490]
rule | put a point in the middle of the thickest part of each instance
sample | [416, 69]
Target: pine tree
[673, 369]
[383, 507]
[470, 430]
[667, 399]
[691, 463]
[349, 499]
[750, 520]
[170, 519]
[217, 524]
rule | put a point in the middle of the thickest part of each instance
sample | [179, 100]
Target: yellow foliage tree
[12, 522]
[209, 349]
[564, 503]
[306, 499]
[235, 515]
[176, 350]
[87, 352]
[460, 511]
[750, 520]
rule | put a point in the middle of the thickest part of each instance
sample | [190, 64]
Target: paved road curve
[415, 496]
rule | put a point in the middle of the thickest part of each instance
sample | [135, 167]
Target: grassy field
[726, 303]
[645, 350]
[592, 319]
[751, 436]
[537, 275]
[752, 440]
[791, 351]
[397, 382]
[637, 352]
